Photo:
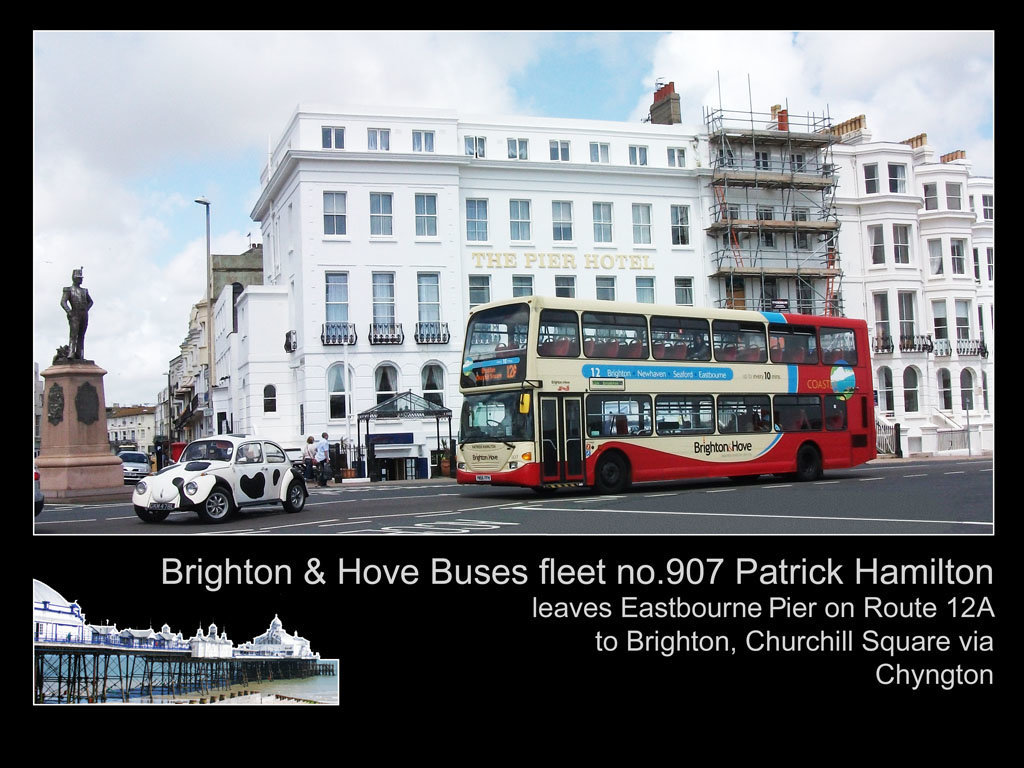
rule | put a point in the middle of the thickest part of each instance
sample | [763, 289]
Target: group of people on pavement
[317, 458]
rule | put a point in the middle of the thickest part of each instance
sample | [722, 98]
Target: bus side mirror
[524, 403]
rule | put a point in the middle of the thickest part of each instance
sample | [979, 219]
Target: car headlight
[140, 487]
[191, 487]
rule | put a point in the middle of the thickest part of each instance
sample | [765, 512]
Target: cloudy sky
[131, 127]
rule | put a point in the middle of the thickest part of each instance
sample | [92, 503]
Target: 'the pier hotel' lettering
[605, 261]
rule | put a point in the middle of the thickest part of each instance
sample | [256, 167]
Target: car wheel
[808, 463]
[218, 507]
[612, 475]
[151, 515]
[295, 500]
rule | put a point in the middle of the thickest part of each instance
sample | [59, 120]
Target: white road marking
[780, 517]
[58, 522]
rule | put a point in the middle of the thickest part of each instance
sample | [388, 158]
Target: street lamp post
[209, 313]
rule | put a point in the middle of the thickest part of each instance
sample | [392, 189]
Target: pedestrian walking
[323, 460]
[309, 457]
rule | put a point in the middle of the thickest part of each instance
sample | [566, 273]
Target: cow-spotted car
[216, 476]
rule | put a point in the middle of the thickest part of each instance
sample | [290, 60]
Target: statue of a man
[76, 302]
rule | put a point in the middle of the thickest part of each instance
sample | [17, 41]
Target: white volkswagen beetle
[215, 476]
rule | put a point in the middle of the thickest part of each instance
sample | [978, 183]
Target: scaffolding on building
[773, 217]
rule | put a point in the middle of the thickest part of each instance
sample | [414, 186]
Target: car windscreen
[134, 458]
[217, 450]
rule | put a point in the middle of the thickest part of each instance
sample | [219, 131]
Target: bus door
[561, 431]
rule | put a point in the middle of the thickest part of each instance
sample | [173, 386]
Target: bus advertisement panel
[562, 392]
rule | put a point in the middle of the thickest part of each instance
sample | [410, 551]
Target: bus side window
[559, 334]
[835, 413]
[838, 344]
[791, 344]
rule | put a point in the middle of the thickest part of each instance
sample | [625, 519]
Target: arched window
[885, 389]
[270, 399]
[910, 390]
[386, 382]
[967, 389]
[338, 391]
[432, 377]
[945, 390]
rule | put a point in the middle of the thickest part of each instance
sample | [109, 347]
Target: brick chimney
[666, 108]
[916, 141]
[852, 131]
[951, 156]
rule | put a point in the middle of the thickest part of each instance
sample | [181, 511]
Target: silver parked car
[135, 465]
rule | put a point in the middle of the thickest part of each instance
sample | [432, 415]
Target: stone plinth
[74, 456]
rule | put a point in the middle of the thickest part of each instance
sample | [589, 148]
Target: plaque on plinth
[74, 457]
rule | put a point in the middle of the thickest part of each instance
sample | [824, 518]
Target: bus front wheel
[808, 463]
[612, 474]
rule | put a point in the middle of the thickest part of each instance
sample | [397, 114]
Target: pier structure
[78, 662]
[78, 673]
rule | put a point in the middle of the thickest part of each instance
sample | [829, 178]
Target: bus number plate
[483, 478]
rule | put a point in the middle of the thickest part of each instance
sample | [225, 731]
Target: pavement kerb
[127, 494]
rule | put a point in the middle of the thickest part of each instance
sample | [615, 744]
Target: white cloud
[129, 127]
[122, 116]
[904, 82]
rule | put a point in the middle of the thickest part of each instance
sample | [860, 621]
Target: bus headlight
[191, 488]
[462, 465]
[513, 464]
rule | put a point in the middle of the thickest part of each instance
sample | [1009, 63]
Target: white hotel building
[381, 228]
[919, 248]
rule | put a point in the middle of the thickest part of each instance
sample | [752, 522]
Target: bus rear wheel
[808, 463]
[612, 474]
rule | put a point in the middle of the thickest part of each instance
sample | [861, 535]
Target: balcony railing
[882, 345]
[338, 333]
[916, 343]
[938, 347]
[432, 333]
[971, 347]
[386, 333]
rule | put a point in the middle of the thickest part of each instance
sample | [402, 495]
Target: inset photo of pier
[79, 662]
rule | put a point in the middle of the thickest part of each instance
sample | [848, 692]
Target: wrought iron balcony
[432, 333]
[971, 347]
[916, 343]
[882, 345]
[386, 333]
[338, 333]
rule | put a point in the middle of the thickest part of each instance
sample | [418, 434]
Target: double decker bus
[567, 392]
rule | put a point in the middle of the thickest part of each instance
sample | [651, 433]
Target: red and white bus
[566, 392]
